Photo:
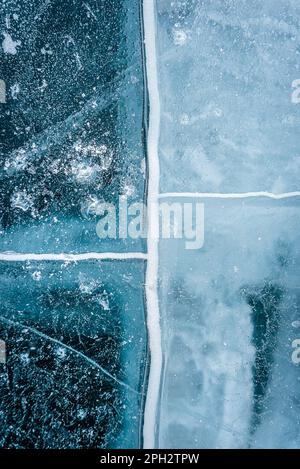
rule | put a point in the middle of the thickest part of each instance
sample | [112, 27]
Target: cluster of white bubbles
[23, 201]
[18, 162]
[90, 161]
[88, 286]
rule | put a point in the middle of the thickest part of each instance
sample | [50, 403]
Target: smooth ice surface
[71, 129]
[230, 310]
[226, 70]
[229, 317]
[76, 354]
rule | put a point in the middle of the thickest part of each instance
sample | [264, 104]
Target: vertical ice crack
[153, 319]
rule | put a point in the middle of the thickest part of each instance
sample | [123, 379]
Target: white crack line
[153, 316]
[15, 256]
[234, 195]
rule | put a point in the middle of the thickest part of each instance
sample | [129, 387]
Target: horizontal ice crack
[234, 195]
[15, 256]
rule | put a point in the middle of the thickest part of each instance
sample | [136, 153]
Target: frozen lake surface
[124, 342]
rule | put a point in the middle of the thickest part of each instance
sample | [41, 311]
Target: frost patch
[9, 45]
[37, 275]
[179, 37]
[22, 201]
[15, 90]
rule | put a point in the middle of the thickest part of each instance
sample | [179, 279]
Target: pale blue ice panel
[226, 70]
[230, 313]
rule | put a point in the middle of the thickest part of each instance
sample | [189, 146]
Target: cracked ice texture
[75, 354]
[71, 129]
[71, 120]
[225, 71]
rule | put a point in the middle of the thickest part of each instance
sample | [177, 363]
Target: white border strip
[153, 318]
[15, 256]
[244, 195]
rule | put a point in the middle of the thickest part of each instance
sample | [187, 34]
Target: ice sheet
[226, 70]
[72, 124]
[76, 347]
[228, 312]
